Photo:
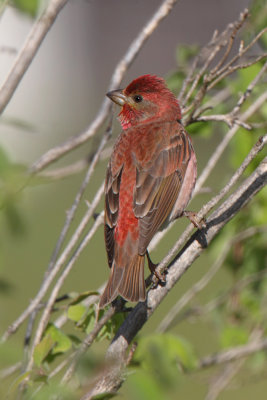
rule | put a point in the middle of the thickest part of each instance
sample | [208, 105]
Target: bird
[150, 178]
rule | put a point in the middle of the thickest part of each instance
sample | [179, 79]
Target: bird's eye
[137, 98]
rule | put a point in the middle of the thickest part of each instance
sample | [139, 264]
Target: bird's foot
[192, 216]
[157, 275]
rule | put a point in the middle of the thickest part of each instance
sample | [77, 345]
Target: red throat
[159, 102]
[127, 116]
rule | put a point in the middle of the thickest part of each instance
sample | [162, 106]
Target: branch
[53, 271]
[87, 343]
[213, 161]
[188, 296]
[231, 369]
[213, 202]
[233, 354]
[29, 50]
[119, 72]
[174, 311]
[192, 250]
[52, 298]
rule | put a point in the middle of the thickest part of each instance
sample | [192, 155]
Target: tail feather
[127, 281]
[132, 286]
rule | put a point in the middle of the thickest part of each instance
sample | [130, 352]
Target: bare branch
[52, 298]
[6, 372]
[65, 172]
[228, 119]
[174, 311]
[234, 354]
[200, 240]
[222, 146]
[221, 381]
[118, 74]
[87, 343]
[29, 50]
[188, 296]
[51, 275]
[211, 204]
[213, 161]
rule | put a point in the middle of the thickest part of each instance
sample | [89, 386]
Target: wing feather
[112, 190]
[159, 182]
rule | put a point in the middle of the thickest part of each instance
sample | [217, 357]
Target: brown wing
[158, 185]
[112, 189]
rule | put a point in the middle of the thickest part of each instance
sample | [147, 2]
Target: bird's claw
[192, 216]
[158, 277]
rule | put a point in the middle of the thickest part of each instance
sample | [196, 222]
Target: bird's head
[146, 99]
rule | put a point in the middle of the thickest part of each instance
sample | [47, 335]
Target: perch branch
[188, 296]
[52, 298]
[234, 354]
[119, 72]
[200, 240]
[29, 50]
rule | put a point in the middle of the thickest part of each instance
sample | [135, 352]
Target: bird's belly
[127, 221]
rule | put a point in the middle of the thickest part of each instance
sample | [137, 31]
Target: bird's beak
[117, 96]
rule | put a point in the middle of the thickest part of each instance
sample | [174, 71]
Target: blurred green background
[58, 98]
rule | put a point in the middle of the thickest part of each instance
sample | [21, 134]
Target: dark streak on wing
[112, 190]
[160, 210]
[158, 184]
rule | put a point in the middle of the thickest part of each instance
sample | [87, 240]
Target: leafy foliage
[162, 361]
[29, 7]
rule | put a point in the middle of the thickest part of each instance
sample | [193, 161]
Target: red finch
[150, 177]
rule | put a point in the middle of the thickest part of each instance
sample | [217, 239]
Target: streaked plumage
[150, 177]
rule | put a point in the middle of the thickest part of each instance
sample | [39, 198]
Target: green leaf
[173, 348]
[103, 396]
[52, 391]
[29, 7]
[41, 378]
[109, 329]
[251, 302]
[185, 53]
[42, 349]
[258, 361]
[76, 312]
[142, 385]
[15, 384]
[244, 77]
[82, 296]
[201, 129]
[62, 342]
[258, 17]
[54, 342]
[233, 335]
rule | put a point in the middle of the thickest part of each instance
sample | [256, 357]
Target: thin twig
[46, 283]
[223, 379]
[87, 343]
[187, 297]
[142, 311]
[241, 52]
[228, 119]
[234, 68]
[174, 311]
[214, 201]
[52, 298]
[214, 159]
[236, 28]
[231, 369]
[119, 72]
[5, 373]
[29, 50]
[222, 146]
[54, 266]
[234, 353]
